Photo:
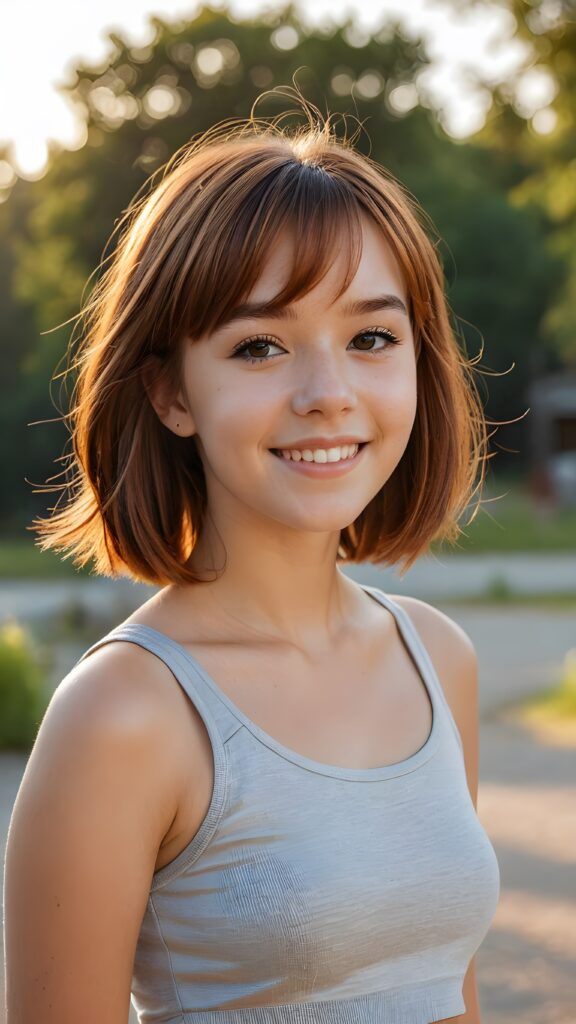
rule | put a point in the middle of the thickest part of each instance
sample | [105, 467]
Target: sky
[41, 40]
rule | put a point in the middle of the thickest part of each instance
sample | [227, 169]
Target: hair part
[188, 254]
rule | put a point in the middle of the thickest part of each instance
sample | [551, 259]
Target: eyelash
[381, 332]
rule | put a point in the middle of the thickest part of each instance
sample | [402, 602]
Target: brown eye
[259, 344]
[379, 332]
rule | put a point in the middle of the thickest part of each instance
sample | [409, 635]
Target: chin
[320, 524]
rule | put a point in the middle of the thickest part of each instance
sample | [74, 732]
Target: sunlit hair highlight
[189, 252]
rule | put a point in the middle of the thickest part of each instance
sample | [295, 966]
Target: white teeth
[347, 451]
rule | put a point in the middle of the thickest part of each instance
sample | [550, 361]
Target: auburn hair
[188, 253]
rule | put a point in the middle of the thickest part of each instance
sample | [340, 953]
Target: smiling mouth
[334, 457]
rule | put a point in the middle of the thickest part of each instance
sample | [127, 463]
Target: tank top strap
[219, 721]
[418, 651]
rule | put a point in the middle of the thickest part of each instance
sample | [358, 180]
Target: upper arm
[93, 805]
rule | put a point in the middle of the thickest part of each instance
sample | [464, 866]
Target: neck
[281, 585]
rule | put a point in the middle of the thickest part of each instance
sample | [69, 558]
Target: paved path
[470, 575]
[526, 801]
[430, 578]
[527, 795]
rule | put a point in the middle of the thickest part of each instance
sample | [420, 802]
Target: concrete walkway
[527, 795]
[526, 801]
[430, 579]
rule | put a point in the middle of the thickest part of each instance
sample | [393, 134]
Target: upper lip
[320, 442]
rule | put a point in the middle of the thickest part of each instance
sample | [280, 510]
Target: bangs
[190, 255]
[322, 218]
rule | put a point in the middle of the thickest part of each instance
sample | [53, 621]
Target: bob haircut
[189, 253]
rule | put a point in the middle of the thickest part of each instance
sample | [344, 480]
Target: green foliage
[511, 521]
[23, 698]
[501, 281]
[548, 181]
[20, 559]
[503, 202]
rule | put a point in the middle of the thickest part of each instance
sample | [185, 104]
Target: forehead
[378, 269]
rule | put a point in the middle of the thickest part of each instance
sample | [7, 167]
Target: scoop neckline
[409, 764]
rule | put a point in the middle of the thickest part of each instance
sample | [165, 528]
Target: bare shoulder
[118, 698]
[125, 689]
[120, 685]
[447, 643]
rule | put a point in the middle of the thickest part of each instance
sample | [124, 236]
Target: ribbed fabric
[315, 893]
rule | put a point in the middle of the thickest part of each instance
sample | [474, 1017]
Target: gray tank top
[315, 893]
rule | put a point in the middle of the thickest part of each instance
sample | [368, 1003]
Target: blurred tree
[18, 455]
[144, 103]
[532, 126]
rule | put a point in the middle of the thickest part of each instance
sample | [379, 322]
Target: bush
[498, 589]
[556, 704]
[23, 697]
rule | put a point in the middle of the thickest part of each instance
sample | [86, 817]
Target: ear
[171, 409]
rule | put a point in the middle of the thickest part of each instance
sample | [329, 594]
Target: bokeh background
[473, 106]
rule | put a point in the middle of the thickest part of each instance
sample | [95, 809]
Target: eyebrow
[260, 310]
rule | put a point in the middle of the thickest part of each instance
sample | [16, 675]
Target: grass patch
[21, 559]
[550, 714]
[560, 702]
[564, 601]
[553, 704]
[509, 521]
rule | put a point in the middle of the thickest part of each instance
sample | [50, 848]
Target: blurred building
[552, 402]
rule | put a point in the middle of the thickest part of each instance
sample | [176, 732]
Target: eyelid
[379, 329]
[240, 352]
[255, 337]
[242, 347]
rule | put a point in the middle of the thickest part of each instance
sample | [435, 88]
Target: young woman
[254, 800]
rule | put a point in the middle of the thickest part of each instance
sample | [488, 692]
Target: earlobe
[170, 411]
[183, 429]
[175, 418]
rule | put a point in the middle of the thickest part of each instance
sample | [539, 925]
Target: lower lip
[322, 469]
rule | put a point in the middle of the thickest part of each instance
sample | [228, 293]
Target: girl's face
[320, 374]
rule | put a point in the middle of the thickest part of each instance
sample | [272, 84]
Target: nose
[323, 384]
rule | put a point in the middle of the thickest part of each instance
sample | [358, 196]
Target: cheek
[396, 397]
[231, 420]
